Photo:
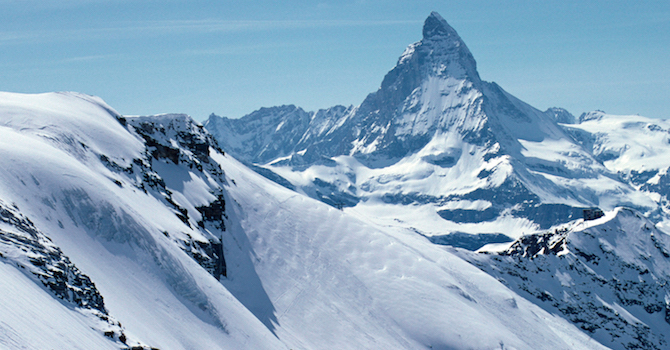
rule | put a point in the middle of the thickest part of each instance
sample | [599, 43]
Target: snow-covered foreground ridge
[139, 232]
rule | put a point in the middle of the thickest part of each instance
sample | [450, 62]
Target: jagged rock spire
[436, 26]
[444, 48]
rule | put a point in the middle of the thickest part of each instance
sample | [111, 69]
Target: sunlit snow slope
[76, 187]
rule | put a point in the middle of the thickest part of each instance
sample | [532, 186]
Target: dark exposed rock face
[531, 246]
[611, 279]
[214, 212]
[179, 140]
[32, 251]
[49, 264]
[210, 254]
[176, 138]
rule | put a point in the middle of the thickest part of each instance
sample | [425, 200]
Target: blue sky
[233, 57]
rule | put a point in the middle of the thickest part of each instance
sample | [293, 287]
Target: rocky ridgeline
[610, 278]
[23, 245]
[179, 140]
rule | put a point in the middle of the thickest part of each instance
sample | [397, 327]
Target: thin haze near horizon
[231, 58]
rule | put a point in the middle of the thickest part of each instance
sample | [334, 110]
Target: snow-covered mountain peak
[435, 25]
[435, 135]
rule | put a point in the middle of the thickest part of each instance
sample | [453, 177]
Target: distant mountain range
[461, 153]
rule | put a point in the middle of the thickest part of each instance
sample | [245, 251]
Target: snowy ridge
[92, 186]
[276, 132]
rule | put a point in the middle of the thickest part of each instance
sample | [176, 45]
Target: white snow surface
[334, 279]
[632, 141]
[301, 274]
[32, 319]
[50, 171]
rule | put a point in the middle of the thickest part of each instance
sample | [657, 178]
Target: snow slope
[53, 173]
[334, 281]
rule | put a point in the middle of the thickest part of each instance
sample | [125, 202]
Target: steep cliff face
[176, 140]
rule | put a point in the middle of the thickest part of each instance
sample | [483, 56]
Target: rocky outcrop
[609, 276]
[178, 140]
[23, 245]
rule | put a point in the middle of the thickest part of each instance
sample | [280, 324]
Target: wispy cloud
[260, 25]
[90, 58]
[244, 49]
[176, 27]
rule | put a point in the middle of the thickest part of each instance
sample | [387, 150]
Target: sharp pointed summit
[435, 25]
[444, 48]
